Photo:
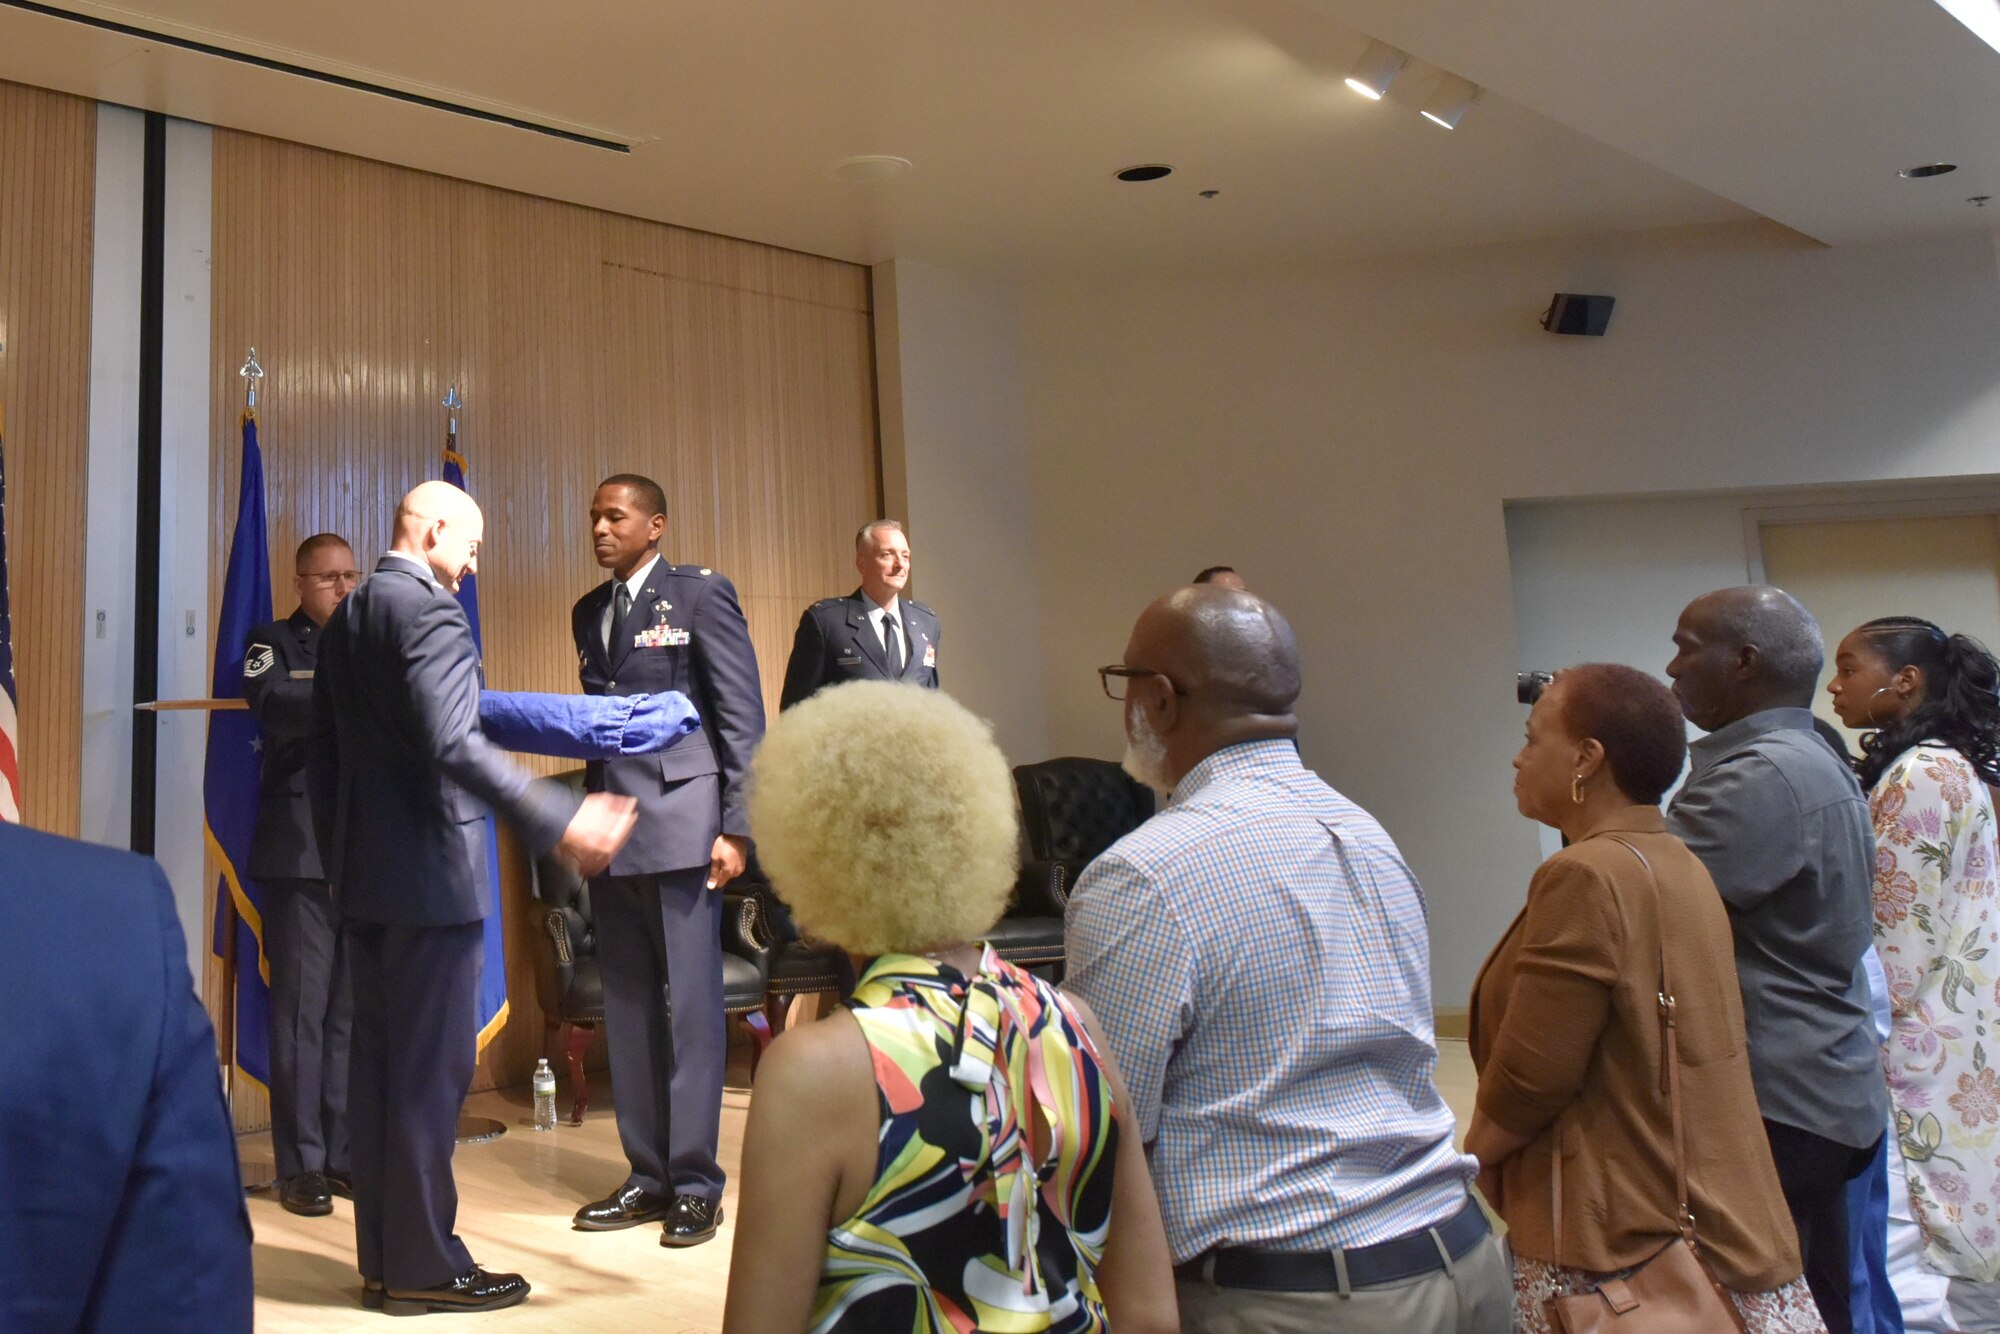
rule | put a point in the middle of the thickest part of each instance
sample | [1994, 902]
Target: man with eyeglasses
[1258, 955]
[312, 1012]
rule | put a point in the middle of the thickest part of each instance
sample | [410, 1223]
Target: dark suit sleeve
[178, 1257]
[442, 690]
[732, 696]
[283, 707]
[806, 671]
[323, 753]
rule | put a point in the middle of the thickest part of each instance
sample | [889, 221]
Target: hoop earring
[1576, 789]
[1873, 721]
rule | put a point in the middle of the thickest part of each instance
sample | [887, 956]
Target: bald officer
[401, 781]
[655, 626]
[872, 634]
[312, 1009]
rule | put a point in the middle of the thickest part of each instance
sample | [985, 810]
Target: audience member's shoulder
[1809, 767]
[1166, 835]
[33, 863]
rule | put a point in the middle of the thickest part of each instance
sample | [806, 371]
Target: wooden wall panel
[48, 164]
[584, 343]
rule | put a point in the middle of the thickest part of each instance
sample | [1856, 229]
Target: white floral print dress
[1937, 923]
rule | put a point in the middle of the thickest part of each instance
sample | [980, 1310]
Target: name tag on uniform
[847, 662]
[661, 636]
[930, 655]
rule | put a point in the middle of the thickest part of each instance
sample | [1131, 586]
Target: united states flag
[10, 727]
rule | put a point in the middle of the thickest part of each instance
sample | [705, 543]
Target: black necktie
[889, 645]
[621, 607]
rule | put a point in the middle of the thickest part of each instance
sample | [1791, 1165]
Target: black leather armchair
[1072, 809]
[792, 964]
[571, 986]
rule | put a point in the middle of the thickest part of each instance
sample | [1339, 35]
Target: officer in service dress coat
[872, 634]
[312, 1006]
[654, 626]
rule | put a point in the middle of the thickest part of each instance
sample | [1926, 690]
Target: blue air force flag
[493, 965]
[229, 780]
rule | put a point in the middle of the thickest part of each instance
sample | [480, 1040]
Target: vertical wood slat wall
[584, 343]
[48, 168]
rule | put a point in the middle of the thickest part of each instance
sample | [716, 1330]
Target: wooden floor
[516, 1195]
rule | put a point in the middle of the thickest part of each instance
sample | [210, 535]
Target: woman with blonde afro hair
[950, 1150]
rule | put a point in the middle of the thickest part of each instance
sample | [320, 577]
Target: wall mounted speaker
[1569, 313]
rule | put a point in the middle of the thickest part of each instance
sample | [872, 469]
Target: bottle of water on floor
[545, 1095]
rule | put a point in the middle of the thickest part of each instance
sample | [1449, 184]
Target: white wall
[1348, 436]
[955, 469]
[106, 621]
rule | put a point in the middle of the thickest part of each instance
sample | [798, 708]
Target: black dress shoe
[371, 1293]
[628, 1206]
[340, 1183]
[306, 1194]
[691, 1221]
[474, 1290]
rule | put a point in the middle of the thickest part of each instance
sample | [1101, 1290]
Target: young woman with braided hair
[1929, 766]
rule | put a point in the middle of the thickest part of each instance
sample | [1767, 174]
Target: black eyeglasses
[333, 578]
[1121, 674]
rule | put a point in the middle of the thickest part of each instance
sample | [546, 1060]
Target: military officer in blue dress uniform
[653, 626]
[312, 1006]
[872, 634]
[401, 780]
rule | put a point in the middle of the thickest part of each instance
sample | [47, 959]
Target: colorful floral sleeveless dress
[963, 1231]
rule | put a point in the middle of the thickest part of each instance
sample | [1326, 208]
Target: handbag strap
[1670, 1078]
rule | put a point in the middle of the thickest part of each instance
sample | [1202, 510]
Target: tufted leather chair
[792, 964]
[1072, 809]
[571, 987]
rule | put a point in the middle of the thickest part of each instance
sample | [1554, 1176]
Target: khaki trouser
[1475, 1296]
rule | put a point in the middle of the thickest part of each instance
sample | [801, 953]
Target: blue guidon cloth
[586, 727]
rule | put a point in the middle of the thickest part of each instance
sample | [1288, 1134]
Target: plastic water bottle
[545, 1095]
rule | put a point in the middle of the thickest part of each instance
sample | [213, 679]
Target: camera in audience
[1528, 686]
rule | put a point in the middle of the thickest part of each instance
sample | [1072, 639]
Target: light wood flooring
[516, 1195]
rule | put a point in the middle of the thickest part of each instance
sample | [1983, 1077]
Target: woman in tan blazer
[1566, 1029]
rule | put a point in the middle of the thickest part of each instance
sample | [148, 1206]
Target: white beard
[1146, 754]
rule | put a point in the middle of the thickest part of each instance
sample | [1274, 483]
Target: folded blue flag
[586, 727]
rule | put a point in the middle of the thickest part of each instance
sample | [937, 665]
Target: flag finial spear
[251, 373]
[453, 403]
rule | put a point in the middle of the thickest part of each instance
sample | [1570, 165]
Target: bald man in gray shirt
[1783, 828]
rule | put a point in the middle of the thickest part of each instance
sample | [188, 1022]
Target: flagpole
[255, 1176]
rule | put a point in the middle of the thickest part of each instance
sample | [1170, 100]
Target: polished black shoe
[340, 1183]
[306, 1194]
[628, 1206]
[474, 1290]
[691, 1221]
[371, 1293]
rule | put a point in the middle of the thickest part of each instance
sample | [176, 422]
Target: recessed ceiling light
[1448, 104]
[1376, 70]
[870, 167]
[1151, 171]
[1928, 169]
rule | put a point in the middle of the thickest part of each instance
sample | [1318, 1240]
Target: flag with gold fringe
[229, 781]
[493, 966]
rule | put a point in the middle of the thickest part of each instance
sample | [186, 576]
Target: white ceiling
[1017, 114]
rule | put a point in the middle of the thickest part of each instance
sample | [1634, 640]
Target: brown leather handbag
[1673, 1292]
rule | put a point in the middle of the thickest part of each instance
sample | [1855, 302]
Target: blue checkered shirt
[1258, 959]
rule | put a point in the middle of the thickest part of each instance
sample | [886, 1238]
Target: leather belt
[1412, 1255]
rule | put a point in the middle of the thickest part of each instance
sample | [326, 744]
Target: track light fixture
[1448, 104]
[1376, 70]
